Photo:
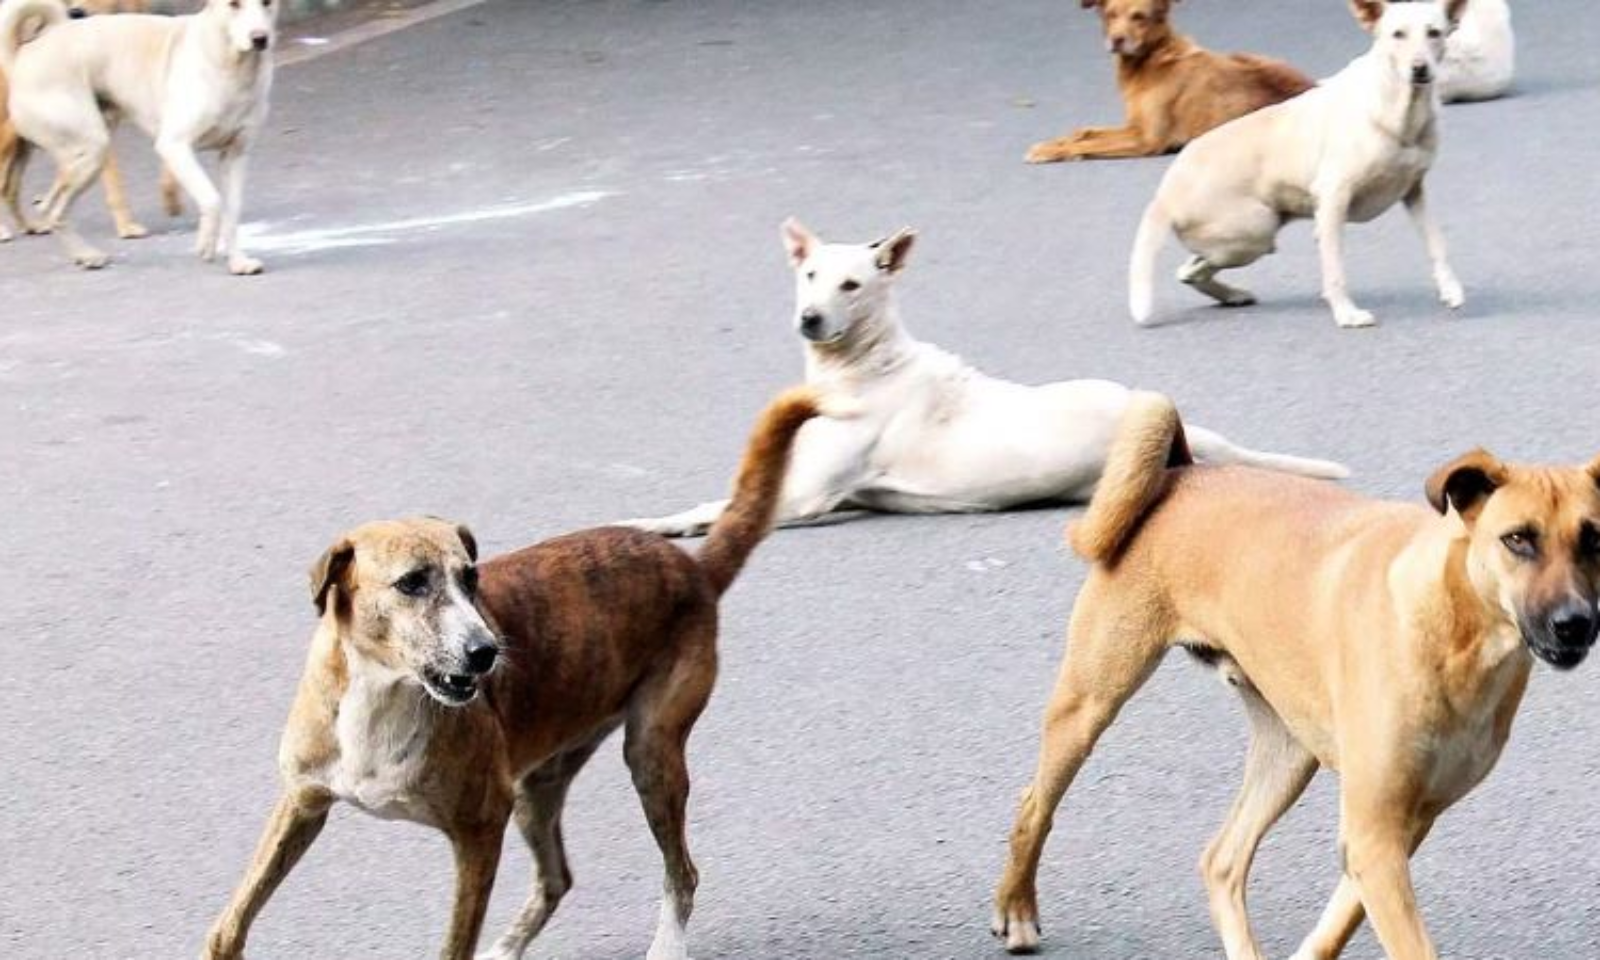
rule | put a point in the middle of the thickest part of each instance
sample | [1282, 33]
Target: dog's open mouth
[1559, 656]
[450, 689]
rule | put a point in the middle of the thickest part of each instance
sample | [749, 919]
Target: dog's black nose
[259, 41]
[77, 13]
[1574, 625]
[810, 320]
[1420, 74]
[481, 655]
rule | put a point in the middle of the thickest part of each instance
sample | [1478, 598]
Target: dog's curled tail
[1153, 229]
[1150, 441]
[751, 512]
[22, 20]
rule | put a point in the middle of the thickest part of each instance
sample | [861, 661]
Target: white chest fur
[382, 733]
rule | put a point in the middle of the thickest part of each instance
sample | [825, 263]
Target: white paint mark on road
[373, 29]
[259, 236]
[259, 348]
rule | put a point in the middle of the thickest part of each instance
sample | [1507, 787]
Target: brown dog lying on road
[1382, 640]
[111, 178]
[402, 713]
[1172, 88]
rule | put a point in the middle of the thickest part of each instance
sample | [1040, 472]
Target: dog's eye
[413, 584]
[1589, 541]
[1435, 33]
[1137, 18]
[469, 581]
[1523, 543]
[850, 286]
[1399, 34]
[811, 274]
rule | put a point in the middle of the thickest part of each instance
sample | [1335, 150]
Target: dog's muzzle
[812, 325]
[260, 41]
[1566, 636]
[456, 689]
[1421, 74]
[76, 13]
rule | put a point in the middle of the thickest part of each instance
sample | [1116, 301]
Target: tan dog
[401, 712]
[1172, 88]
[111, 178]
[1385, 641]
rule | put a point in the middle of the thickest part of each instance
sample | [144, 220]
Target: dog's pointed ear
[1367, 13]
[1455, 10]
[1090, 4]
[893, 250]
[329, 572]
[468, 541]
[1465, 483]
[1594, 470]
[798, 242]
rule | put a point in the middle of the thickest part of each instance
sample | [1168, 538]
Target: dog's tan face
[404, 597]
[1535, 547]
[1132, 26]
[251, 25]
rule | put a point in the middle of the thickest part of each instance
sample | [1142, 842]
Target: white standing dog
[1349, 149]
[1480, 58]
[197, 82]
[928, 433]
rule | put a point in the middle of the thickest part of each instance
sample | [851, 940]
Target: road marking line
[372, 30]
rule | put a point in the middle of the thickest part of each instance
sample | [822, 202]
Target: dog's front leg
[295, 823]
[178, 153]
[233, 169]
[1379, 840]
[1450, 292]
[477, 853]
[1333, 206]
[1343, 915]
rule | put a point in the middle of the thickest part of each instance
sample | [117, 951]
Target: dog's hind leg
[295, 823]
[1277, 771]
[117, 201]
[1117, 638]
[76, 170]
[1201, 274]
[541, 796]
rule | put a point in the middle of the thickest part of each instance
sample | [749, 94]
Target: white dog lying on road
[1480, 58]
[930, 434]
[198, 82]
[1348, 149]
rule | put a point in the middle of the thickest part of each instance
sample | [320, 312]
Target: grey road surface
[524, 271]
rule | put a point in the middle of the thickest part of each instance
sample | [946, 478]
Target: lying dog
[1480, 57]
[111, 179]
[198, 82]
[592, 631]
[931, 435]
[1386, 641]
[1347, 150]
[1172, 88]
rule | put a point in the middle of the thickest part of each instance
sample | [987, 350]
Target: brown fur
[600, 629]
[14, 154]
[1173, 90]
[1390, 642]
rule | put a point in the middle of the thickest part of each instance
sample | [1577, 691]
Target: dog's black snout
[76, 13]
[481, 655]
[810, 320]
[1574, 625]
[259, 40]
[1420, 73]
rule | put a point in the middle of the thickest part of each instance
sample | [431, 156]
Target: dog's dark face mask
[1534, 550]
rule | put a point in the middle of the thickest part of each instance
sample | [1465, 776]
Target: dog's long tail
[1153, 230]
[1150, 441]
[21, 21]
[1213, 447]
[751, 512]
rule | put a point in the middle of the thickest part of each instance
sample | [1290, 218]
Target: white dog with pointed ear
[926, 432]
[1346, 150]
[1480, 57]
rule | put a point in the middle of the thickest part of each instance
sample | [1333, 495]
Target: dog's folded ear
[1090, 4]
[1465, 483]
[894, 249]
[1594, 470]
[329, 571]
[468, 541]
[1367, 13]
[798, 242]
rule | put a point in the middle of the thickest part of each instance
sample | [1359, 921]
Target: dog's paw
[1043, 153]
[5, 235]
[1355, 318]
[1451, 294]
[90, 259]
[1020, 936]
[132, 230]
[1238, 298]
[242, 266]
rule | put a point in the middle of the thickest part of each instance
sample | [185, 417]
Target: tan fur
[595, 630]
[1149, 440]
[14, 150]
[1386, 641]
[1173, 89]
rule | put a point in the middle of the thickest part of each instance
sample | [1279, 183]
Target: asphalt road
[524, 272]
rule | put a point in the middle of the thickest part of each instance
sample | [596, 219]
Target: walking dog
[931, 434]
[457, 695]
[197, 82]
[1173, 89]
[1389, 642]
[1346, 150]
[111, 179]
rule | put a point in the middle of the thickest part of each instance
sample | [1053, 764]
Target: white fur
[1349, 149]
[928, 433]
[191, 83]
[1480, 56]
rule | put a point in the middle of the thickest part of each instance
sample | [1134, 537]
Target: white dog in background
[929, 434]
[197, 82]
[1348, 149]
[1480, 56]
